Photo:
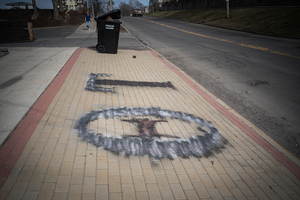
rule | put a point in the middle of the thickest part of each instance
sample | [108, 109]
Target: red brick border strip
[14, 146]
[289, 164]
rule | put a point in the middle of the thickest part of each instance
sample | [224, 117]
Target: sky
[47, 4]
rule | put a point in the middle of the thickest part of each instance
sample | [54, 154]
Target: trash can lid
[114, 14]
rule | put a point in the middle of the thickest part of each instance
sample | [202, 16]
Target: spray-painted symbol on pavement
[144, 143]
[147, 129]
[93, 82]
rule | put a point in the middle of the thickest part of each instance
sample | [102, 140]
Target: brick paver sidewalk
[57, 164]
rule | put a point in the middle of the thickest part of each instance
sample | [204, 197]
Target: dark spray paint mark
[197, 146]
[91, 85]
[93, 82]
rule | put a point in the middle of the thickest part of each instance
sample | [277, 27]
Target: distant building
[19, 5]
[156, 5]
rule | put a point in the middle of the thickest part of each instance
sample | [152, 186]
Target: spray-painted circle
[198, 146]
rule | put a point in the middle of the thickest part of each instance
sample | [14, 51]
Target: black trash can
[108, 32]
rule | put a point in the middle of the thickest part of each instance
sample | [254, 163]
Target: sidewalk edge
[14, 146]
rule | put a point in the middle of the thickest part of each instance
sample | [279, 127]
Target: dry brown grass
[281, 21]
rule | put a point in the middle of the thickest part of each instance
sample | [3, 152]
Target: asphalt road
[258, 76]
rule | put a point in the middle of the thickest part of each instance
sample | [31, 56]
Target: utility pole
[93, 9]
[227, 6]
[150, 5]
[106, 5]
[110, 5]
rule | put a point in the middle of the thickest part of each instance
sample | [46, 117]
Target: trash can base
[100, 48]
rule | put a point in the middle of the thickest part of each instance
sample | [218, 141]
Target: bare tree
[55, 9]
[61, 6]
[35, 10]
[127, 8]
[99, 7]
[135, 4]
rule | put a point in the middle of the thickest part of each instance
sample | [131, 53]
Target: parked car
[137, 12]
